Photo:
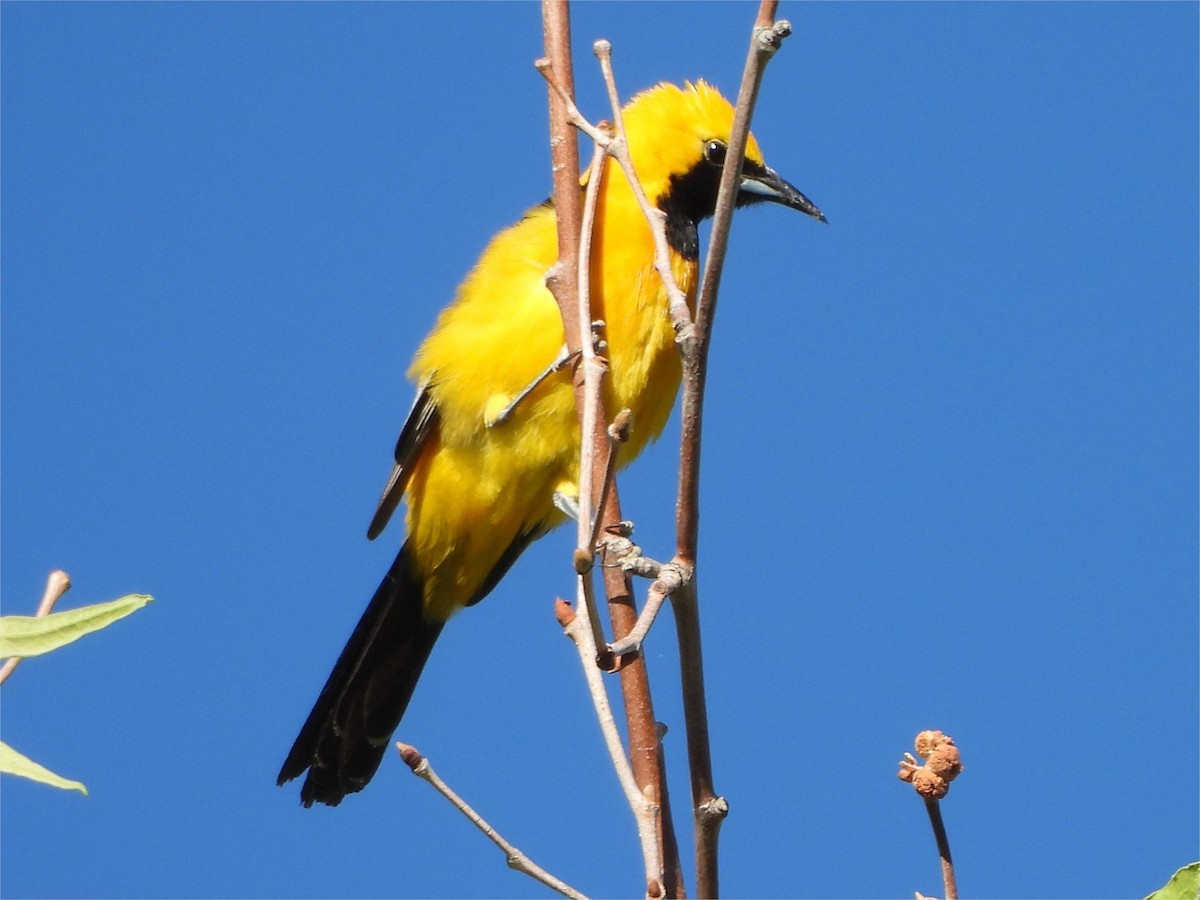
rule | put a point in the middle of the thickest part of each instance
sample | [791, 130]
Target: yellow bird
[479, 460]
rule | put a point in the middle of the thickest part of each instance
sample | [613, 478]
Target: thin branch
[657, 219]
[949, 882]
[564, 161]
[618, 433]
[516, 859]
[594, 369]
[617, 148]
[670, 578]
[646, 812]
[644, 736]
[564, 279]
[57, 583]
[615, 145]
[764, 42]
[641, 725]
[662, 864]
[708, 809]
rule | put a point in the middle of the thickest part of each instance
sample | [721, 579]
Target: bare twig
[661, 860]
[642, 727]
[709, 810]
[516, 859]
[949, 882]
[595, 455]
[696, 352]
[594, 367]
[564, 160]
[618, 433]
[646, 811]
[670, 579]
[657, 219]
[615, 145]
[617, 148]
[565, 358]
[57, 583]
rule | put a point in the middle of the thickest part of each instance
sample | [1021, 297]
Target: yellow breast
[481, 486]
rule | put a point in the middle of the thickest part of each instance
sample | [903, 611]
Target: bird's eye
[714, 152]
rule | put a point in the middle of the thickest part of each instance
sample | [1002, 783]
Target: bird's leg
[563, 359]
[502, 415]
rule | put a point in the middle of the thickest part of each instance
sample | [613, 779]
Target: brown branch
[639, 709]
[614, 144]
[564, 161]
[597, 458]
[763, 44]
[57, 583]
[618, 433]
[645, 811]
[949, 882]
[657, 219]
[708, 809]
[641, 725]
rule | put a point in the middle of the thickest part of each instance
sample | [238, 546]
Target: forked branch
[659, 853]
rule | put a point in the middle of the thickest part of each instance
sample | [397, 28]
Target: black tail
[348, 730]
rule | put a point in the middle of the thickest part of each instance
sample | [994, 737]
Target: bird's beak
[761, 183]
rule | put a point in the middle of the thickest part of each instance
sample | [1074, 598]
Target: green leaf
[35, 635]
[1184, 885]
[15, 763]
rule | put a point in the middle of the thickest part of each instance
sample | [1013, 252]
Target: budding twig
[931, 779]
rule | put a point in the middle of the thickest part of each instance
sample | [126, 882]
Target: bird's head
[677, 140]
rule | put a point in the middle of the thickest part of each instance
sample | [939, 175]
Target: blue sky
[949, 478]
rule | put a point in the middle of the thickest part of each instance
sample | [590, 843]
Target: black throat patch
[692, 198]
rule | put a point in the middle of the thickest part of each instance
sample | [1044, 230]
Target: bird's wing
[421, 424]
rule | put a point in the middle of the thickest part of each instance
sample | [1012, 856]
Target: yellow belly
[476, 489]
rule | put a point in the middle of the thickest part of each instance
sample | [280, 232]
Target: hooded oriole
[479, 491]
